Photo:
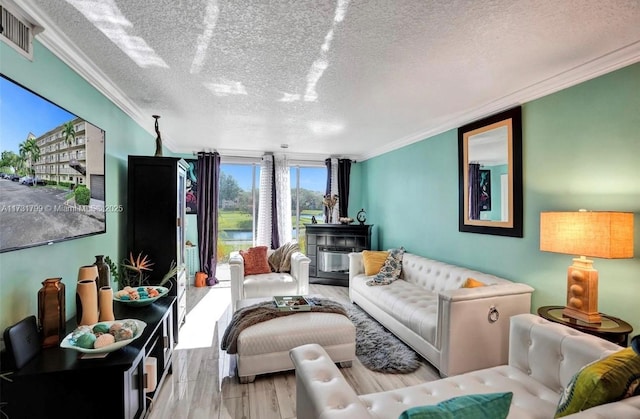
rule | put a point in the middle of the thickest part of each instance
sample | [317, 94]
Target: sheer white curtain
[282, 185]
[283, 201]
[264, 203]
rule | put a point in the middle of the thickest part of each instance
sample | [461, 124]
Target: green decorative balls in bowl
[104, 337]
[140, 296]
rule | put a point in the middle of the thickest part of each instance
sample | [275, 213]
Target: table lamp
[601, 234]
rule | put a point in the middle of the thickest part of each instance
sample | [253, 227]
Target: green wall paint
[581, 149]
[22, 271]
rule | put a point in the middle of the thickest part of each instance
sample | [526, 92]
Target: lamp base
[582, 291]
[580, 315]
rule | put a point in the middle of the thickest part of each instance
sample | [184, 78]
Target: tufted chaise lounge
[543, 356]
[456, 329]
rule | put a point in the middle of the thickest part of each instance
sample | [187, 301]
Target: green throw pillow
[473, 406]
[604, 381]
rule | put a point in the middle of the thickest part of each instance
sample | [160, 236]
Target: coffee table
[264, 347]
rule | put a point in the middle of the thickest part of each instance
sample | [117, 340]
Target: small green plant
[134, 272]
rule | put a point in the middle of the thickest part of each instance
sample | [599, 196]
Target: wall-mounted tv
[52, 171]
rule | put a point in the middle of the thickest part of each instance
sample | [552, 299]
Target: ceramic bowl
[68, 342]
[143, 301]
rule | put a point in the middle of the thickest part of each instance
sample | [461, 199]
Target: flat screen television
[52, 171]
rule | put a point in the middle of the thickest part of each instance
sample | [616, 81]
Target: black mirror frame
[515, 114]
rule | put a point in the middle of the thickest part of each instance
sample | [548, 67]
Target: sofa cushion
[414, 307]
[373, 261]
[604, 381]
[255, 260]
[390, 270]
[472, 406]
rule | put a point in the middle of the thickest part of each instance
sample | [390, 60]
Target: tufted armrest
[236, 270]
[550, 352]
[300, 271]
[321, 390]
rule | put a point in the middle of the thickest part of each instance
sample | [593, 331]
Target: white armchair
[269, 284]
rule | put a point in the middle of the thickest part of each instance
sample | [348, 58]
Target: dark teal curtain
[208, 174]
[344, 173]
[474, 191]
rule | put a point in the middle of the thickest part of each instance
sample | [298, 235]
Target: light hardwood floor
[203, 383]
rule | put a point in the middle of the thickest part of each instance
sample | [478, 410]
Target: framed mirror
[490, 175]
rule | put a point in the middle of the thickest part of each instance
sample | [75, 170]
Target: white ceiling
[330, 78]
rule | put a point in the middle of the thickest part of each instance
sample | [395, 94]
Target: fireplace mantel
[328, 246]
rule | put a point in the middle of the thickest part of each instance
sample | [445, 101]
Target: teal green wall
[22, 271]
[581, 149]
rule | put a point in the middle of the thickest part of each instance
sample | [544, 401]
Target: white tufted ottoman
[264, 347]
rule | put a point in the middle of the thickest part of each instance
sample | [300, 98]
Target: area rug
[377, 348]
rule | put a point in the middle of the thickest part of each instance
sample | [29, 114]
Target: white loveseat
[268, 284]
[455, 329]
[543, 356]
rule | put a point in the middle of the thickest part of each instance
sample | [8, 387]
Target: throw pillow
[473, 406]
[472, 283]
[610, 379]
[373, 261]
[255, 260]
[280, 259]
[391, 268]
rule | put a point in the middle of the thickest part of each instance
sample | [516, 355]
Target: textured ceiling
[331, 78]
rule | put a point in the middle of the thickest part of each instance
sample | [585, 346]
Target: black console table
[57, 383]
[328, 247]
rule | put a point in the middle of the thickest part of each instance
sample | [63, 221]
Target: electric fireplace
[328, 247]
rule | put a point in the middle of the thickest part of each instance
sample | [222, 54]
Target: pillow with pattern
[255, 260]
[606, 380]
[390, 270]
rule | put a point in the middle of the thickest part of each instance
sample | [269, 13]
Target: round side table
[611, 328]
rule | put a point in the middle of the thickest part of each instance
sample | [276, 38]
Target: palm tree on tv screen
[68, 136]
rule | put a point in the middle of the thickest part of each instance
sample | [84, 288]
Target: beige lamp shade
[598, 234]
[606, 235]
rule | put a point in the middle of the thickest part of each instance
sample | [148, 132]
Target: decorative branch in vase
[330, 201]
[133, 271]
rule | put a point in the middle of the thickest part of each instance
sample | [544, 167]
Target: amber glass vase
[51, 312]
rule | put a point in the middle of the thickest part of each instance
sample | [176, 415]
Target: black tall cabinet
[156, 207]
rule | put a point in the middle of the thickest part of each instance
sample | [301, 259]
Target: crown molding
[607, 63]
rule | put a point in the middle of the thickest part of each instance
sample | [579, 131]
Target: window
[238, 203]
[237, 207]
[307, 190]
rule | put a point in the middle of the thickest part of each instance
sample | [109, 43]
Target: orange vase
[201, 279]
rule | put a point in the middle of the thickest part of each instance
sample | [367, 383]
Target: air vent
[17, 29]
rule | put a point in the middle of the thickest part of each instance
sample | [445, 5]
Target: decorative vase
[335, 216]
[104, 273]
[88, 272]
[105, 304]
[329, 216]
[86, 302]
[200, 279]
[51, 312]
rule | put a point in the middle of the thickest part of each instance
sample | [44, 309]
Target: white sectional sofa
[455, 329]
[543, 356]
